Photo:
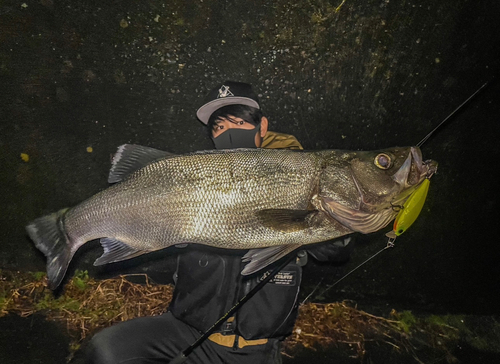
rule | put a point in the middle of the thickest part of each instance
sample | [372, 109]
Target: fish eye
[383, 161]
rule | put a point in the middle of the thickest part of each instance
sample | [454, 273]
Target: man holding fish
[258, 204]
[209, 281]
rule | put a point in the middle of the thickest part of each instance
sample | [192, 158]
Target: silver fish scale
[206, 198]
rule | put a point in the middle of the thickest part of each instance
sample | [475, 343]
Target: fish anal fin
[260, 258]
[116, 251]
[286, 220]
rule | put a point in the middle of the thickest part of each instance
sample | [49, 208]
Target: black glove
[336, 251]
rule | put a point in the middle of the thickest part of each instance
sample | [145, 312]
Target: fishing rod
[419, 144]
[415, 202]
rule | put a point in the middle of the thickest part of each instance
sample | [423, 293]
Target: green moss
[39, 275]
[446, 320]
[48, 302]
[482, 333]
[406, 321]
[64, 302]
[81, 279]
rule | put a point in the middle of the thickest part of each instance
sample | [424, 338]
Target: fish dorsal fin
[130, 158]
[116, 251]
[286, 220]
[261, 258]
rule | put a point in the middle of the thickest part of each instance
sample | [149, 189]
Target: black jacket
[209, 283]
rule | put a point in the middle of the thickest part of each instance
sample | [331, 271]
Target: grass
[87, 305]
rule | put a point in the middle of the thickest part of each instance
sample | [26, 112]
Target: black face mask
[236, 138]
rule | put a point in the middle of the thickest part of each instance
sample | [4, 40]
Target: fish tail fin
[50, 238]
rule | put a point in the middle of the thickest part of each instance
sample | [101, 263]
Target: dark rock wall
[80, 78]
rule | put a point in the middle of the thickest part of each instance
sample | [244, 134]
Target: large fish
[232, 199]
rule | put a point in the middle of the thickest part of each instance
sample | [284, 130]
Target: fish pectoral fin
[286, 220]
[130, 158]
[261, 258]
[116, 251]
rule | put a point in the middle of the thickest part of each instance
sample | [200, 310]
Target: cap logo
[224, 92]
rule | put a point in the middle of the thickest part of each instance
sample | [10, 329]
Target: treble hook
[396, 208]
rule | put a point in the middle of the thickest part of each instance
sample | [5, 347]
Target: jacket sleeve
[273, 140]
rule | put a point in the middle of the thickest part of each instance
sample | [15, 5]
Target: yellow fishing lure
[410, 211]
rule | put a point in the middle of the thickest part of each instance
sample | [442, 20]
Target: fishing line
[390, 244]
[419, 144]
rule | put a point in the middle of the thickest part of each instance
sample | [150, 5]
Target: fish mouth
[410, 175]
[407, 178]
[414, 170]
[370, 217]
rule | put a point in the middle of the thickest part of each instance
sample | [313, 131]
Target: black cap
[228, 93]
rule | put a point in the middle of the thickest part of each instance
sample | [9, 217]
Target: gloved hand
[335, 251]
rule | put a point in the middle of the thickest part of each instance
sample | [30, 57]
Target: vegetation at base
[87, 305]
